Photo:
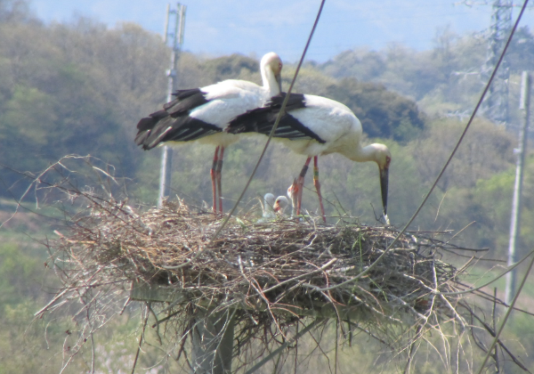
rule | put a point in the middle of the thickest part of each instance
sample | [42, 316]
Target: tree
[383, 113]
[14, 11]
[485, 151]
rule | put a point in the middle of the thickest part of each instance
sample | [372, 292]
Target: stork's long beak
[384, 180]
[277, 207]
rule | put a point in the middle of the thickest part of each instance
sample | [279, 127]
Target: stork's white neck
[270, 84]
[371, 152]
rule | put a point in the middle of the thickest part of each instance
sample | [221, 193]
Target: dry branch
[264, 271]
[268, 277]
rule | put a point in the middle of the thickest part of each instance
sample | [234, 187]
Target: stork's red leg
[300, 183]
[219, 178]
[292, 192]
[318, 185]
[213, 173]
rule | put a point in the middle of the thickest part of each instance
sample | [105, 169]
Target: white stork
[271, 207]
[316, 126]
[203, 114]
[268, 207]
[280, 205]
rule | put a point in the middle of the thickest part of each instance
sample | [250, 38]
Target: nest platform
[271, 272]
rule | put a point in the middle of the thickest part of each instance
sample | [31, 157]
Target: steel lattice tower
[496, 104]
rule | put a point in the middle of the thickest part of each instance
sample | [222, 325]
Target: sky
[255, 27]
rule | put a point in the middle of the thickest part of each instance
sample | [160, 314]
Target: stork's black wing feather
[295, 101]
[186, 128]
[261, 120]
[185, 101]
[156, 129]
[173, 123]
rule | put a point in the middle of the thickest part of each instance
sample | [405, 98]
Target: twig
[140, 340]
[283, 346]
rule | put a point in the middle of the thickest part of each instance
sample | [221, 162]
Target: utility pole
[495, 105]
[524, 103]
[176, 38]
[213, 334]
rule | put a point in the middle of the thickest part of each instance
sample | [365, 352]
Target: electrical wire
[467, 126]
[278, 117]
[508, 312]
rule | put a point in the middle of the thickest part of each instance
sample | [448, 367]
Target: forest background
[80, 88]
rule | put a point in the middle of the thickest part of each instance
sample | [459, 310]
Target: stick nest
[266, 273]
[266, 279]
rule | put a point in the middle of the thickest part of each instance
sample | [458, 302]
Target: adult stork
[202, 114]
[316, 126]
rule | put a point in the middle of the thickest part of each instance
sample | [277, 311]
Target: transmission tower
[495, 106]
[174, 37]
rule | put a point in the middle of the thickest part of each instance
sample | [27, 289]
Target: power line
[453, 152]
[276, 122]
